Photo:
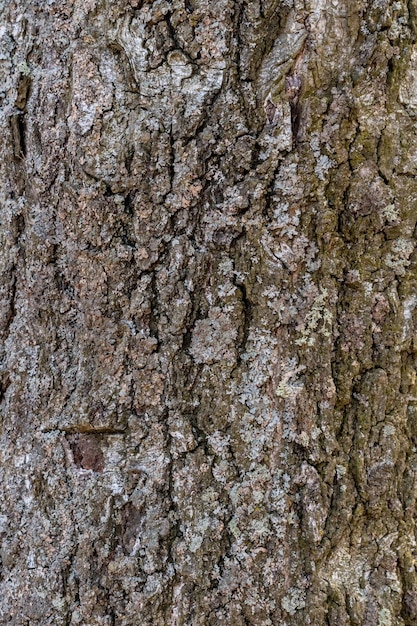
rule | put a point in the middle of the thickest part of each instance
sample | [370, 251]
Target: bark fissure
[207, 308]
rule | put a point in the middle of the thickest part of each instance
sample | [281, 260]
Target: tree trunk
[208, 355]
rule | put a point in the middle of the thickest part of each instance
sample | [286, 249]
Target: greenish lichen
[318, 320]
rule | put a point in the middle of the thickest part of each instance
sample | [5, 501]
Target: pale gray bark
[208, 371]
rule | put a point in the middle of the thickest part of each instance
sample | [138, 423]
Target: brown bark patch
[86, 451]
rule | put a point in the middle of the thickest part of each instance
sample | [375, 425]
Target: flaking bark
[208, 285]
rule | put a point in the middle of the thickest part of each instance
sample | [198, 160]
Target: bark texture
[207, 312]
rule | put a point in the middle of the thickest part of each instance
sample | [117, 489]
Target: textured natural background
[207, 301]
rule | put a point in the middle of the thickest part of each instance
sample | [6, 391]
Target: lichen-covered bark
[208, 285]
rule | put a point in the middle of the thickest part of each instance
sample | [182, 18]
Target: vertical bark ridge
[207, 377]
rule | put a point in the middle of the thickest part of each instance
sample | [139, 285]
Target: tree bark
[208, 354]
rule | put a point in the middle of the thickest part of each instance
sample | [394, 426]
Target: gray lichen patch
[207, 313]
[214, 338]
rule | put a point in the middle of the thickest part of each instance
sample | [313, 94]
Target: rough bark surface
[207, 311]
